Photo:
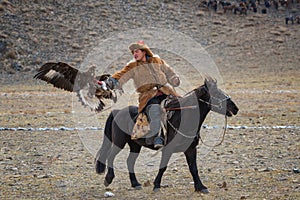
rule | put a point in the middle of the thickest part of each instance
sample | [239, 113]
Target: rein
[223, 136]
[181, 108]
[219, 106]
[184, 135]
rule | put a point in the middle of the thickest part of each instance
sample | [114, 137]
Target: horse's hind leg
[133, 155]
[110, 163]
[191, 158]
[101, 156]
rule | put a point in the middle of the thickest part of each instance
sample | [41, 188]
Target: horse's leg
[133, 155]
[110, 163]
[101, 156]
[166, 155]
[191, 158]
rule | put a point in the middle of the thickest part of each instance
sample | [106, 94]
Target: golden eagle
[90, 89]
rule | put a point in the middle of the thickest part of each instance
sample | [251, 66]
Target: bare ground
[257, 55]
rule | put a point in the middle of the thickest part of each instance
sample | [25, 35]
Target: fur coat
[149, 78]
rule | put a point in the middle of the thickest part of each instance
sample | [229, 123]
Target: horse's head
[217, 100]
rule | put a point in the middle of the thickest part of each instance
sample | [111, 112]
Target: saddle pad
[141, 127]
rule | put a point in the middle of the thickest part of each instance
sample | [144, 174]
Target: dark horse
[183, 126]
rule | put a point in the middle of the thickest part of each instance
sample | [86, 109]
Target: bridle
[217, 105]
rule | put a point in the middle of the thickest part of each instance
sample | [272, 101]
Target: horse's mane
[187, 99]
[177, 102]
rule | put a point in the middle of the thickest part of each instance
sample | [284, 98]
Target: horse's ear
[210, 82]
[206, 82]
[215, 81]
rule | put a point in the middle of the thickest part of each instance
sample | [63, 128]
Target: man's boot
[158, 142]
[154, 114]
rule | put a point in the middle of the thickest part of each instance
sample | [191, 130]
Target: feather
[60, 75]
[84, 84]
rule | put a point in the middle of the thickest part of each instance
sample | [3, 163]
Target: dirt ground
[257, 56]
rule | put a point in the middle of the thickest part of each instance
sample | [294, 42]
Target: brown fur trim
[144, 47]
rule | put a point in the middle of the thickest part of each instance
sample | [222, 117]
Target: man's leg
[154, 113]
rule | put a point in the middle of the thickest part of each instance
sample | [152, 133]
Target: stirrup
[158, 142]
[158, 146]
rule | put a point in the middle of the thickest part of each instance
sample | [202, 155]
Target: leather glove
[111, 83]
[176, 82]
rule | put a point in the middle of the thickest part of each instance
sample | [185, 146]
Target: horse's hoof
[204, 191]
[100, 167]
[138, 187]
[106, 183]
[100, 172]
[156, 189]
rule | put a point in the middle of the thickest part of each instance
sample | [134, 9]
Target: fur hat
[142, 46]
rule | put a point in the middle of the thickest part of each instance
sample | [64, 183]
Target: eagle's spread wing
[85, 84]
[60, 75]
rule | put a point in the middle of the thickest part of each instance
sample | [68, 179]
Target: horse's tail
[103, 152]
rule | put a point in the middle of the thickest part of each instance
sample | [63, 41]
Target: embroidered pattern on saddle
[141, 127]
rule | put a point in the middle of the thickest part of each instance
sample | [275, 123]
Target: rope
[223, 137]
[184, 135]
[177, 131]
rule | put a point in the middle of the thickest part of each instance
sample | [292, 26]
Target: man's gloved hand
[112, 83]
[176, 82]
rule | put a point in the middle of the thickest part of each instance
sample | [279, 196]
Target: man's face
[139, 55]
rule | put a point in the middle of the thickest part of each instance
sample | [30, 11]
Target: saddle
[142, 126]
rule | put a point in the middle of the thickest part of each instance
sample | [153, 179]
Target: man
[150, 75]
